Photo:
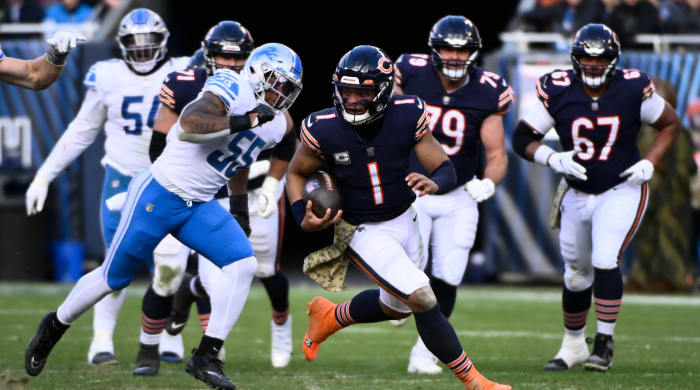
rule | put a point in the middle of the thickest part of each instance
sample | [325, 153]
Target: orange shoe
[476, 381]
[322, 324]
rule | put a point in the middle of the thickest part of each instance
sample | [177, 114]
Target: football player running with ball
[122, 99]
[223, 131]
[366, 141]
[597, 111]
[466, 105]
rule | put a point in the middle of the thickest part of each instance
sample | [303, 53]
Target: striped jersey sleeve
[308, 139]
[423, 123]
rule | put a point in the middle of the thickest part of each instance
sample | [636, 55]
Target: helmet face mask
[454, 33]
[274, 71]
[595, 41]
[142, 39]
[229, 40]
[363, 69]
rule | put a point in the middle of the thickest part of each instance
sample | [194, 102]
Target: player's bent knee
[396, 315]
[422, 299]
[578, 279]
[167, 279]
[264, 270]
[244, 267]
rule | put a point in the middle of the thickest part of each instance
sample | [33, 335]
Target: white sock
[228, 296]
[607, 328]
[149, 339]
[89, 289]
[105, 315]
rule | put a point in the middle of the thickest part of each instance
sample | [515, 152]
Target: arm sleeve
[651, 108]
[80, 134]
[285, 149]
[538, 118]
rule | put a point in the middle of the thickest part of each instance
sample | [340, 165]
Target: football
[321, 190]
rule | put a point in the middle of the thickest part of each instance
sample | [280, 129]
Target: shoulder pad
[495, 89]
[312, 126]
[552, 84]
[635, 79]
[100, 72]
[413, 110]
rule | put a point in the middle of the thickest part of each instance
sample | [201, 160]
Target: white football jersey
[196, 171]
[131, 103]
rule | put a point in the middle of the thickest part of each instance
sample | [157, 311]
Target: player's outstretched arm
[80, 134]
[205, 115]
[443, 176]
[41, 72]
[303, 164]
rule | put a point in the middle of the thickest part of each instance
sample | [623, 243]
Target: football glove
[480, 190]
[267, 202]
[60, 44]
[639, 173]
[36, 194]
[265, 114]
[563, 163]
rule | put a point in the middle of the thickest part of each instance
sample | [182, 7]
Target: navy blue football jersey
[604, 129]
[456, 117]
[183, 86]
[370, 174]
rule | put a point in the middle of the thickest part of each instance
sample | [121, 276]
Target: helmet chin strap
[355, 118]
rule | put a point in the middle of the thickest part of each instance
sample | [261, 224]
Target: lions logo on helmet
[364, 67]
[454, 32]
[596, 41]
[142, 37]
[274, 70]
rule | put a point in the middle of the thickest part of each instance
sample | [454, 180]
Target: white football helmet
[142, 37]
[276, 69]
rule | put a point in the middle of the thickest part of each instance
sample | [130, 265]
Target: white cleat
[171, 348]
[573, 351]
[399, 322]
[423, 361]
[281, 351]
[101, 351]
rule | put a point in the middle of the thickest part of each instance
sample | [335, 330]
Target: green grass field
[508, 333]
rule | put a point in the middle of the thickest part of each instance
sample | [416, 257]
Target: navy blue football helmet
[597, 41]
[364, 67]
[197, 60]
[227, 39]
[454, 32]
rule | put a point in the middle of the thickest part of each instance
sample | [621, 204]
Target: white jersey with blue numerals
[196, 171]
[131, 103]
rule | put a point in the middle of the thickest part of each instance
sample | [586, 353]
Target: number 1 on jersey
[376, 182]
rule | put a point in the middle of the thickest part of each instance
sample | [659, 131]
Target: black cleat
[556, 365]
[181, 307]
[208, 369]
[147, 361]
[104, 358]
[40, 345]
[602, 357]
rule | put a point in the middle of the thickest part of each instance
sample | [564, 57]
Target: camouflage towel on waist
[328, 266]
[555, 214]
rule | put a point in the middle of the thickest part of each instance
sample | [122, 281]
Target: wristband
[299, 210]
[238, 123]
[542, 154]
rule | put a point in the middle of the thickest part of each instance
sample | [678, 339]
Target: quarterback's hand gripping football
[419, 182]
[563, 163]
[480, 190]
[36, 194]
[313, 223]
[267, 204]
[261, 114]
[639, 173]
